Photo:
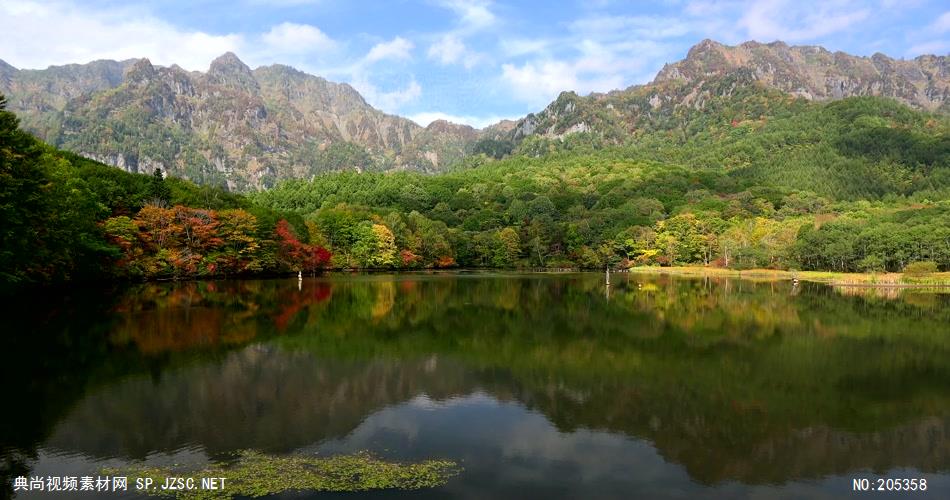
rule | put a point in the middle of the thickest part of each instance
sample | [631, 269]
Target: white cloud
[591, 66]
[538, 82]
[793, 22]
[427, 118]
[597, 53]
[513, 47]
[701, 8]
[632, 27]
[283, 3]
[924, 42]
[902, 4]
[447, 50]
[45, 34]
[474, 15]
[941, 25]
[450, 48]
[292, 38]
[397, 48]
[388, 101]
[39, 34]
[936, 47]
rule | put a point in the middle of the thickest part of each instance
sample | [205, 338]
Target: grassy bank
[838, 279]
[255, 474]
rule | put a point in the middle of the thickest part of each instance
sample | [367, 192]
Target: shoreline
[857, 280]
[850, 280]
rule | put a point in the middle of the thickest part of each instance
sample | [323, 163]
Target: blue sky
[473, 61]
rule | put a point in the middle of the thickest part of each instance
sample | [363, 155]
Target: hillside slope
[228, 126]
[247, 129]
[764, 78]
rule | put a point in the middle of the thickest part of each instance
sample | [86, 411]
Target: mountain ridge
[233, 125]
[922, 82]
[712, 71]
[248, 128]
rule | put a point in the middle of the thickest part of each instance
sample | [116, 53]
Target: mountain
[815, 73]
[728, 172]
[229, 126]
[714, 76]
[38, 91]
[246, 129]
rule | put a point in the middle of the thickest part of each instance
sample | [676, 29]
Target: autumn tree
[239, 252]
[507, 247]
[291, 253]
[385, 255]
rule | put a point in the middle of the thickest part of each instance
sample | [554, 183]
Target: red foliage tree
[291, 252]
[319, 257]
[296, 255]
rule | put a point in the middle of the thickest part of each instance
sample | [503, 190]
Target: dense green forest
[861, 184]
[67, 218]
[759, 180]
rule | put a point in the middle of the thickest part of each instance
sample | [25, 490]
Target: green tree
[507, 248]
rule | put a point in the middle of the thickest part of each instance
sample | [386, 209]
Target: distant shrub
[871, 264]
[920, 268]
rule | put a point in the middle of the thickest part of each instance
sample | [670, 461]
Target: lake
[537, 385]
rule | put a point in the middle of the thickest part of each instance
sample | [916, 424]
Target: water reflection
[670, 387]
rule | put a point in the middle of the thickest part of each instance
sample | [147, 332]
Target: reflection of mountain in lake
[257, 398]
[735, 381]
[278, 401]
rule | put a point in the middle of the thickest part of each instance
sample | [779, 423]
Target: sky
[475, 61]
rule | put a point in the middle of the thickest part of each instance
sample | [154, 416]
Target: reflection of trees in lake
[50, 353]
[278, 401]
[158, 318]
[729, 378]
[735, 380]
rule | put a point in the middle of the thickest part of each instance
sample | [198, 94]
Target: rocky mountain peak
[447, 127]
[815, 73]
[6, 73]
[231, 124]
[283, 71]
[349, 91]
[141, 72]
[228, 70]
[703, 47]
[6, 67]
[228, 63]
[308, 93]
[249, 128]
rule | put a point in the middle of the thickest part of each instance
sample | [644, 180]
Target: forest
[861, 184]
[66, 218]
[758, 181]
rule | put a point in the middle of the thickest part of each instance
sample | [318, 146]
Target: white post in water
[608, 274]
[299, 280]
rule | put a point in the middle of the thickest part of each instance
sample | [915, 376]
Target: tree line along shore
[851, 191]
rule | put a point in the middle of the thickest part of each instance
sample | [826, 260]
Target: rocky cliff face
[249, 128]
[50, 89]
[442, 142]
[230, 125]
[716, 75]
[815, 73]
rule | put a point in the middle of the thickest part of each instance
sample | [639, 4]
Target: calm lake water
[540, 386]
